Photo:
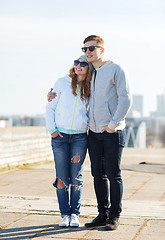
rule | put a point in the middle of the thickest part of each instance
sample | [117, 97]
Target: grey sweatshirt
[110, 98]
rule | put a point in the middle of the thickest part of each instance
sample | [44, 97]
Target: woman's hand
[55, 134]
[51, 95]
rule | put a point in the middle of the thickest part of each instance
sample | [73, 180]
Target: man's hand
[107, 129]
[51, 95]
[55, 134]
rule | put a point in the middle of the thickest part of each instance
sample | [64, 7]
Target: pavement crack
[139, 188]
[141, 228]
[16, 220]
[162, 197]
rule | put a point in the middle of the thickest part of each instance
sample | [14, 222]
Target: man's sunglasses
[91, 48]
[82, 64]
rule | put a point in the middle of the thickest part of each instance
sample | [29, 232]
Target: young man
[109, 103]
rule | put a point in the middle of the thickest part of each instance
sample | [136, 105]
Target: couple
[103, 86]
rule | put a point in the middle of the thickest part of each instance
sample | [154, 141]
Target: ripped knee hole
[60, 184]
[76, 159]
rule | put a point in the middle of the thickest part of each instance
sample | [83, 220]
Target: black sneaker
[100, 220]
[112, 224]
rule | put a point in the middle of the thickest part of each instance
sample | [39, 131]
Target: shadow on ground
[40, 231]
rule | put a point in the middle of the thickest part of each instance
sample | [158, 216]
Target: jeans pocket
[122, 137]
[55, 140]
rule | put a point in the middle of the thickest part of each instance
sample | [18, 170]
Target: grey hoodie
[110, 98]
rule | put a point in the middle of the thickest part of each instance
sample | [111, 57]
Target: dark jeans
[105, 150]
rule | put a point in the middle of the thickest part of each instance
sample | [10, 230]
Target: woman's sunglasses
[82, 64]
[91, 48]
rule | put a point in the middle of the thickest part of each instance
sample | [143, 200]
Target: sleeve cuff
[53, 130]
[112, 125]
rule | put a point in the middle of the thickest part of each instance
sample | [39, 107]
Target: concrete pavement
[29, 207]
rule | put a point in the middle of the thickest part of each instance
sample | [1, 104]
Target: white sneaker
[65, 221]
[74, 222]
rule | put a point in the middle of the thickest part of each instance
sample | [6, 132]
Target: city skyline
[40, 39]
[136, 110]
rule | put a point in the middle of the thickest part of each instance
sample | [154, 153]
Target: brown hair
[84, 85]
[96, 38]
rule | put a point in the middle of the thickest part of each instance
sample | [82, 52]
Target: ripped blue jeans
[69, 155]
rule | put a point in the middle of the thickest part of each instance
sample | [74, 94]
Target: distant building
[159, 124]
[5, 122]
[38, 120]
[26, 121]
[160, 103]
[159, 114]
[18, 121]
[136, 110]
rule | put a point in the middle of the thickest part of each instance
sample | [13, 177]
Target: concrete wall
[21, 145]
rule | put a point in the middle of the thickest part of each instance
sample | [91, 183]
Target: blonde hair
[84, 85]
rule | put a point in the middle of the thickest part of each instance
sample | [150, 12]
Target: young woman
[66, 120]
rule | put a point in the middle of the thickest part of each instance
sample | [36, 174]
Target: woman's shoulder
[62, 81]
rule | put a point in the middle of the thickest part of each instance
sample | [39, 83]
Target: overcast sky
[39, 39]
